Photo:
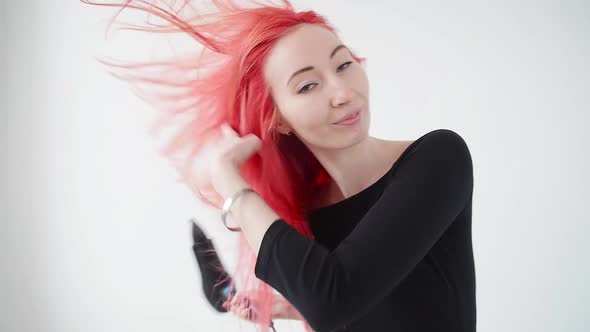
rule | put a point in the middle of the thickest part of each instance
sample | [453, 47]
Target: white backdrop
[94, 231]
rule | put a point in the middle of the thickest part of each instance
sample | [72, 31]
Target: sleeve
[429, 190]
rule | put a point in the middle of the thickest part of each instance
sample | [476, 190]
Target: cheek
[305, 115]
[311, 119]
[362, 81]
[317, 116]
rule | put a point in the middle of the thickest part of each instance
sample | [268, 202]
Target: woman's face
[314, 83]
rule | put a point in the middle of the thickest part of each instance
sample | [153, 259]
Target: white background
[94, 232]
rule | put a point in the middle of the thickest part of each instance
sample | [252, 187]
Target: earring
[276, 121]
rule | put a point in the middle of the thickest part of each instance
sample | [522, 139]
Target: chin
[358, 131]
[357, 137]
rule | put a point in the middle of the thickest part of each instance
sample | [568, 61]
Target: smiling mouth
[348, 118]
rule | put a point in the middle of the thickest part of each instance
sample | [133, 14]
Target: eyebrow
[308, 68]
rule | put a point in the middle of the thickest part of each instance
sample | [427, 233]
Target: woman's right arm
[282, 309]
[243, 305]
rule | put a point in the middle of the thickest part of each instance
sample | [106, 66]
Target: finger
[237, 301]
[244, 312]
[241, 311]
[233, 300]
[247, 146]
[229, 298]
[224, 131]
[254, 141]
[243, 303]
[247, 313]
[253, 313]
[236, 309]
[227, 130]
[227, 303]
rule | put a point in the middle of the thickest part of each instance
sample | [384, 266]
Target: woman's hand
[243, 304]
[232, 151]
[282, 309]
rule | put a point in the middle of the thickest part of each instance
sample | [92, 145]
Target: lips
[348, 116]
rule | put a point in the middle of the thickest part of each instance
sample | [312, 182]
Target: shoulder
[441, 159]
[444, 144]
[435, 146]
[440, 153]
[444, 137]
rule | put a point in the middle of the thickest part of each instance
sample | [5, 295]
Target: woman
[356, 233]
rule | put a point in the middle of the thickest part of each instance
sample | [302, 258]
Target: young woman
[354, 232]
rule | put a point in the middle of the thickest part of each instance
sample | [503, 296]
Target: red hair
[225, 83]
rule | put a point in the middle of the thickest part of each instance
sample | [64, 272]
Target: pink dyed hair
[224, 83]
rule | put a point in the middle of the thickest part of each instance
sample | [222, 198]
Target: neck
[356, 167]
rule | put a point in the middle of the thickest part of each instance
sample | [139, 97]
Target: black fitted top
[396, 256]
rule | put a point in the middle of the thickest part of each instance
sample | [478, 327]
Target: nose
[342, 95]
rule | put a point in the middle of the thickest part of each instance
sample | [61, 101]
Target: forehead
[307, 45]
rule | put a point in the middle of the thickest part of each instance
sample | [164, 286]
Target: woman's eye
[346, 63]
[342, 66]
[303, 90]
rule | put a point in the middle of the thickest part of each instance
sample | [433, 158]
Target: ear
[283, 128]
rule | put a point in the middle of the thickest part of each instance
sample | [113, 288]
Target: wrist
[235, 184]
[283, 309]
[294, 314]
[237, 206]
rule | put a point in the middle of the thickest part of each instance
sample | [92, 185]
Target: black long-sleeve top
[396, 256]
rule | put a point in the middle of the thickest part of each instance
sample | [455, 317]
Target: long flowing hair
[223, 83]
